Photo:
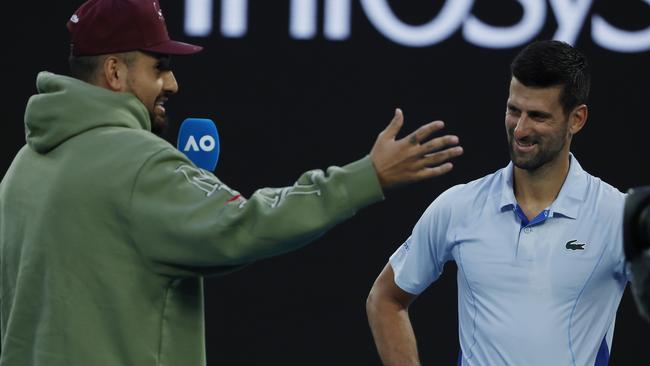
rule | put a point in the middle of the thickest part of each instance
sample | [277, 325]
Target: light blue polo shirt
[543, 292]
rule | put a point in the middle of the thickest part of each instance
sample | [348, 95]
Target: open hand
[412, 158]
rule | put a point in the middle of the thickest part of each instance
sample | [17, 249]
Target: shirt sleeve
[419, 261]
[185, 221]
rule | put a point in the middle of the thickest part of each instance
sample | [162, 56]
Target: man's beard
[547, 150]
[159, 124]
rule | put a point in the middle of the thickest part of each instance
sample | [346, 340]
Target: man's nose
[522, 128]
[169, 83]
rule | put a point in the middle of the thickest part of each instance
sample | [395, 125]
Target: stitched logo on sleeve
[202, 180]
[273, 197]
[574, 245]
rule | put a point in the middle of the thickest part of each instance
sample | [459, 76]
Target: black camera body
[636, 244]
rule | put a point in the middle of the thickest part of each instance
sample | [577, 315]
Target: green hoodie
[106, 231]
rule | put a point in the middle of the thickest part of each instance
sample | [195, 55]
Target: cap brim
[174, 48]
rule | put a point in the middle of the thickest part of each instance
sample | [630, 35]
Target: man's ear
[578, 118]
[113, 73]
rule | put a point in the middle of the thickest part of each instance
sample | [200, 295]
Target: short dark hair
[554, 63]
[85, 67]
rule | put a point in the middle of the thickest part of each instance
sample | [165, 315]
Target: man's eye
[163, 65]
[538, 117]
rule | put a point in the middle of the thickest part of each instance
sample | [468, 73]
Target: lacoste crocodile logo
[571, 244]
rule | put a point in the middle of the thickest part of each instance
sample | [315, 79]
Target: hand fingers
[438, 143]
[395, 125]
[439, 157]
[434, 171]
[423, 132]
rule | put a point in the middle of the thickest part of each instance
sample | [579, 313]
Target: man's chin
[524, 162]
[159, 125]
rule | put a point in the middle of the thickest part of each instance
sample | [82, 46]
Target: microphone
[636, 222]
[198, 139]
[636, 243]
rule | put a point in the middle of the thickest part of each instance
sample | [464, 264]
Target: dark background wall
[284, 105]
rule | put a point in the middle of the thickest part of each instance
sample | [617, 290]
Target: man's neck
[536, 190]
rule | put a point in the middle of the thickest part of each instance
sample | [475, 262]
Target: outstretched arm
[185, 221]
[387, 309]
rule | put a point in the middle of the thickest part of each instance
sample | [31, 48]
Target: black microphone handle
[644, 228]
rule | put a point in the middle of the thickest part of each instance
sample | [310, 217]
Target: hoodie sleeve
[185, 221]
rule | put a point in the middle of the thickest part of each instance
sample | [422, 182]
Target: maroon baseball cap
[111, 26]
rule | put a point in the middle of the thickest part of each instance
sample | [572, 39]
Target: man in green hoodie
[106, 230]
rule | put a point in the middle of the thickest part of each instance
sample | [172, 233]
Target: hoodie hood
[65, 107]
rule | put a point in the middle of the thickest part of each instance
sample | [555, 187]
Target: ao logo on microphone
[206, 143]
[199, 141]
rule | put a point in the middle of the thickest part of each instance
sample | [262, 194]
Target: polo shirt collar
[566, 204]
